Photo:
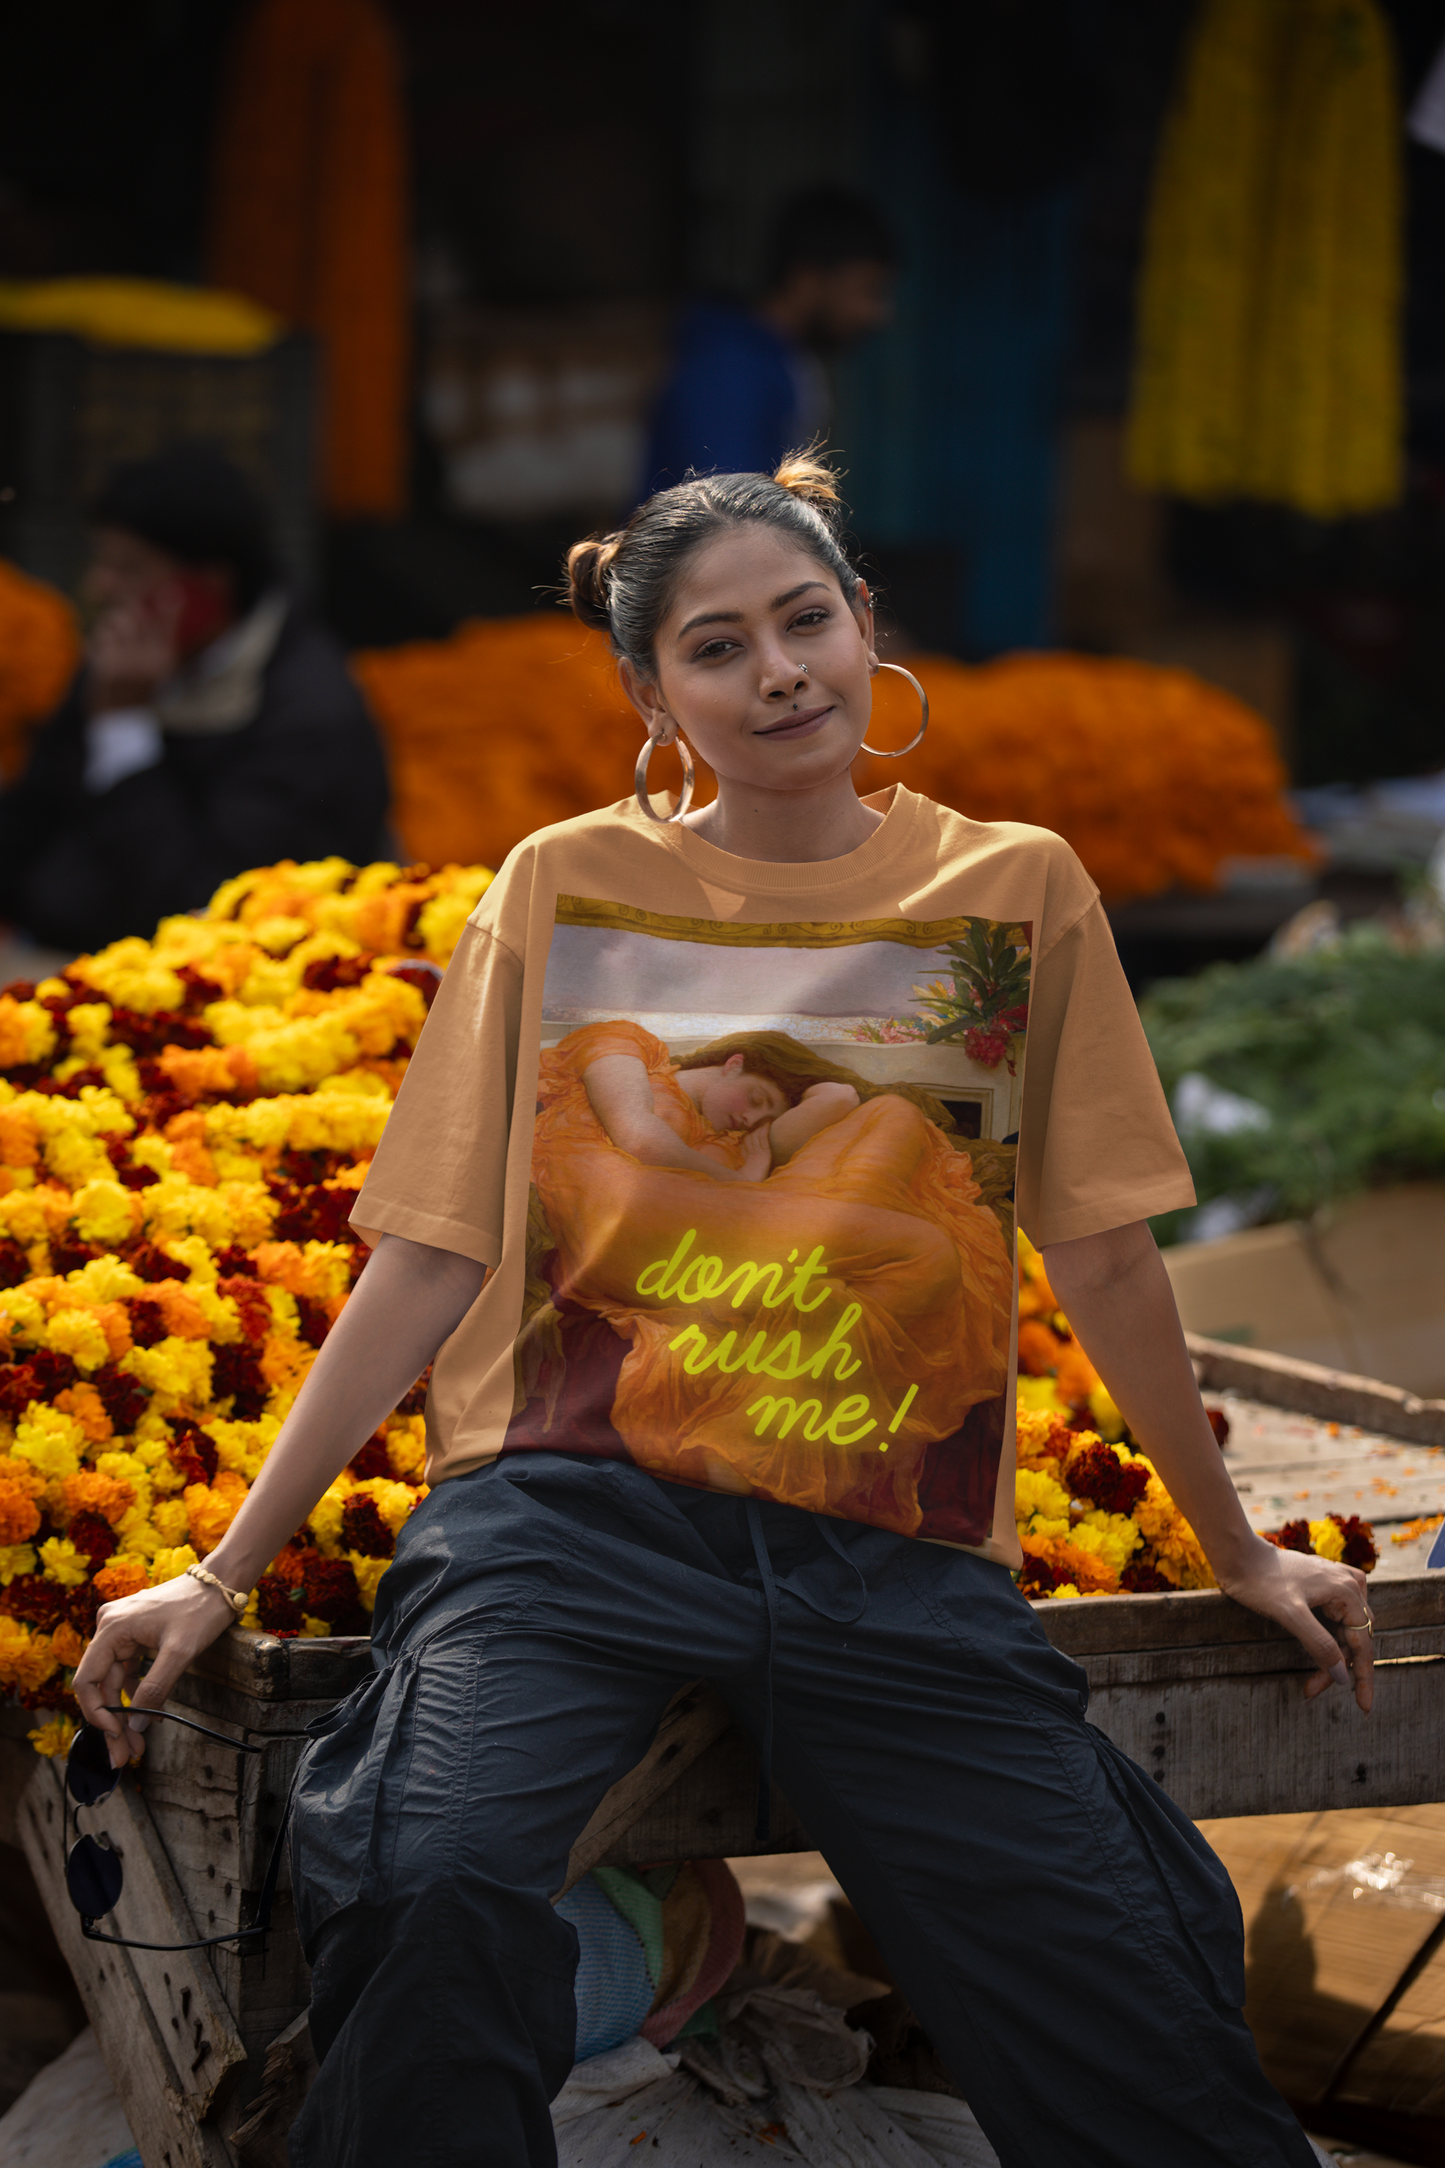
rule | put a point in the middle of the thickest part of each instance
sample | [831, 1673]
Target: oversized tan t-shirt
[931, 1025]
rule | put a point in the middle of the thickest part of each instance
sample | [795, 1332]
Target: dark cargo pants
[1068, 1940]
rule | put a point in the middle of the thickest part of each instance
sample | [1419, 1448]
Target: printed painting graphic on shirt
[771, 1237]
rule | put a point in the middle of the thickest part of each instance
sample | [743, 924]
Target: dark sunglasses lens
[93, 1877]
[88, 1773]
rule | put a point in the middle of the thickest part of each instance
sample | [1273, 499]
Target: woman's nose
[783, 678]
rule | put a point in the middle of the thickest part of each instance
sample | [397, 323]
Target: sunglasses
[94, 1877]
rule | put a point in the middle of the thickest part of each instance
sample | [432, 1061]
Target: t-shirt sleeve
[440, 1170]
[1097, 1147]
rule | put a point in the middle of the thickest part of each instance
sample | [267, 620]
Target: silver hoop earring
[639, 782]
[898, 668]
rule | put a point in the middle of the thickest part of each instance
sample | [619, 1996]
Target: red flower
[278, 1606]
[1094, 1471]
[986, 1044]
[39, 1377]
[364, 1530]
[149, 1263]
[192, 1453]
[1037, 1577]
[35, 1600]
[1359, 1542]
[372, 1460]
[250, 1299]
[14, 1264]
[236, 1376]
[147, 1322]
[94, 1538]
[329, 1592]
[124, 1401]
[1294, 1536]
[414, 1402]
[1142, 1578]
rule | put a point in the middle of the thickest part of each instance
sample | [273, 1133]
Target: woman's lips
[796, 726]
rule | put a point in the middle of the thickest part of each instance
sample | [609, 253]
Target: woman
[633, 1153]
[1067, 1939]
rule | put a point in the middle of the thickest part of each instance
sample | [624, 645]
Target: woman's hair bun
[808, 475]
[588, 566]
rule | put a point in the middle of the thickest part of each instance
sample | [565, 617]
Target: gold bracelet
[233, 1596]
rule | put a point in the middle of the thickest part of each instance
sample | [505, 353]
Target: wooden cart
[208, 2051]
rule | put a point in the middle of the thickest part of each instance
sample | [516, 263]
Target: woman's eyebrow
[734, 617]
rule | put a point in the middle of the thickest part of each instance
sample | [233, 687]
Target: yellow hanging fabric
[1268, 362]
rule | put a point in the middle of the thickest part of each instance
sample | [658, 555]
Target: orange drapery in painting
[310, 217]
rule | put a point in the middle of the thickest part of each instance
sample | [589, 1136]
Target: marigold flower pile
[184, 1124]
[1152, 775]
[1093, 1517]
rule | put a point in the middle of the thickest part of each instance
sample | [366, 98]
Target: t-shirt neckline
[752, 876]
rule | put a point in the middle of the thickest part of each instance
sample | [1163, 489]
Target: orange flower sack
[39, 652]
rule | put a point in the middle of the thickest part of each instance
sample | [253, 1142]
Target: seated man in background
[748, 384]
[210, 728]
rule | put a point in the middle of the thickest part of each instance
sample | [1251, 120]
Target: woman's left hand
[1291, 1586]
[757, 1159]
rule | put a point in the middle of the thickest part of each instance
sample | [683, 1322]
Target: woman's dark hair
[191, 502]
[623, 583]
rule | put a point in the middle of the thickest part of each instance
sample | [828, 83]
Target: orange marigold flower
[19, 1515]
[22, 1475]
[211, 1508]
[85, 1404]
[122, 1577]
[67, 1645]
[1039, 1348]
[91, 1492]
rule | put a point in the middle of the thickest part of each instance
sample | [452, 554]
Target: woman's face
[729, 1098]
[762, 664]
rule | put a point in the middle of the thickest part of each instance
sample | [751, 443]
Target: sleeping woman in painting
[756, 1267]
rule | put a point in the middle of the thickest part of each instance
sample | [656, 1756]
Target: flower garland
[1093, 1517]
[184, 1124]
[1269, 348]
[39, 651]
[1153, 776]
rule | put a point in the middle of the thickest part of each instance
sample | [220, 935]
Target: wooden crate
[1202, 1693]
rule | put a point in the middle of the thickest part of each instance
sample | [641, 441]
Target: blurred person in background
[209, 729]
[748, 383]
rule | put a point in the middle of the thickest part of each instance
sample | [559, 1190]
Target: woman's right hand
[173, 1623]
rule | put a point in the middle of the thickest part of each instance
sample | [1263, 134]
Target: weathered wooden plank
[1222, 1747]
[1285, 1382]
[711, 1813]
[160, 2098]
[1200, 1617]
[691, 1722]
[257, 1663]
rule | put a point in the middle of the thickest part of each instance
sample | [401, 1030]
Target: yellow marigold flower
[1042, 1396]
[313, 1629]
[79, 1334]
[1108, 1418]
[130, 976]
[1114, 1537]
[171, 1518]
[105, 1212]
[406, 1446]
[169, 1565]
[441, 921]
[1178, 1553]
[76, 1157]
[16, 1558]
[368, 1573]
[106, 1279]
[243, 1446]
[25, 1217]
[250, 1211]
[1068, 1589]
[61, 1562]
[53, 1737]
[51, 1441]
[1036, 1492]
[26, 1032]
[1327, 1539]
[176, 1206]
[117, 1065]
[89, 1024]
[22, 1316]
[177, 1371]
[324, 1520]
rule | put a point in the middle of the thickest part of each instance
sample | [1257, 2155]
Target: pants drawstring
[764, 1825]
